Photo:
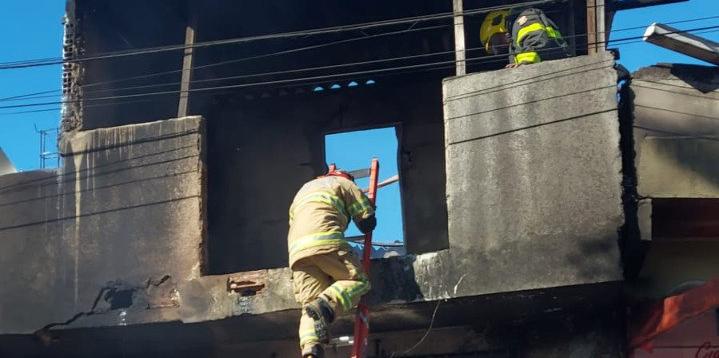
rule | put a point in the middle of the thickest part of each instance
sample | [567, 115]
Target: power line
[311, 78]
[267, 55]
[291, 34]
[110, 103]
[665, 22]
[37, 96]
[234, 61]
[243, 85]
[12, 98]
[499, 58]
[327, 67]
[289, 71]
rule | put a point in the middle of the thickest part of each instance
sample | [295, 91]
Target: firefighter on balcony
[327, 277]
[533, 37]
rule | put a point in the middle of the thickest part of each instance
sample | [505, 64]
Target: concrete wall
[122, 223]
[676, 131]
[535, 209]
[534, 174]
[676, 136]
[110, 234]
[262, 151]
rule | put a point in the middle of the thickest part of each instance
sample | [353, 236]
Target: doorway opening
[354, 150]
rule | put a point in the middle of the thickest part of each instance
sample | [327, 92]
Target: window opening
[355, 150]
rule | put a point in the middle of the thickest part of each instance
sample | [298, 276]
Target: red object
[359, 349]
[672, 311]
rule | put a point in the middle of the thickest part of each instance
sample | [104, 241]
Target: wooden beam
[182, 106]
[601, 25]
[591, 27]
[683, 42]
[459, 48]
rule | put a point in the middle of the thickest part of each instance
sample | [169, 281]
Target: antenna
[46, 155]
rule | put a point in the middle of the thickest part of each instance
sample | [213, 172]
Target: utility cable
[267, 55]
[243, 85]
[426, 333]
[296, 85]
[34, 95]
[308, 48]
[292, 34]
[312, 78]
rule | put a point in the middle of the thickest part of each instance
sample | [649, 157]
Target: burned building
[521, 212]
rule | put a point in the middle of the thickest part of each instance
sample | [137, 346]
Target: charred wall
[262, 150]
[573, 334]
[535, 164]
[114, 230]
[114, 91]
[144, 87]
[676, 137]
[265, 125]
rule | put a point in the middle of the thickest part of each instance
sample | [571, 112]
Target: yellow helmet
[495, 22]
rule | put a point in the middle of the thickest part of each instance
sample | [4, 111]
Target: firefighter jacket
[319, 215]
[535, 38]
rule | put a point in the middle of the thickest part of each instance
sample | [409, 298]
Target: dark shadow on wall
[703, 78]
[632, 249]
[590, 260]
[395, 282]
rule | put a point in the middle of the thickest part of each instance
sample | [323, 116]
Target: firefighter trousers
[337, 277]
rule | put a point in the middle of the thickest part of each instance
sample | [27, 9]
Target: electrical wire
[327, 67]
[666, 23]
[296, 70]
[283, 35]
[312, 78]
[112, 103]
[34, 95]
[267, 55]
[244, 85]
[313, 47]
[426, 333]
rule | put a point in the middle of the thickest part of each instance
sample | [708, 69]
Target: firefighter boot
[315, 351]
[322, 313]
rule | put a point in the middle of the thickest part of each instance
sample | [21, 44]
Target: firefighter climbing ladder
[361, 330]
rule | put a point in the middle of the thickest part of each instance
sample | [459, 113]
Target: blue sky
[33, 29]
[355, 150]
[636, 55]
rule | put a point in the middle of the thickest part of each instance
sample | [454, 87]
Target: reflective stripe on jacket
[320, 213]
[535, 38]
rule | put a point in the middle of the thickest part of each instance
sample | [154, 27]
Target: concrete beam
[186, 71]
[682, 42]
[459, 47]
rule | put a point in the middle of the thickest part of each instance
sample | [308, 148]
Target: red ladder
[362, 316]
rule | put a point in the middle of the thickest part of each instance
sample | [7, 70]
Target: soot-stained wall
[261, 152]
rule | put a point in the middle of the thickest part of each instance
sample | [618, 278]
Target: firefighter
[326, 274]
[533, 37]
